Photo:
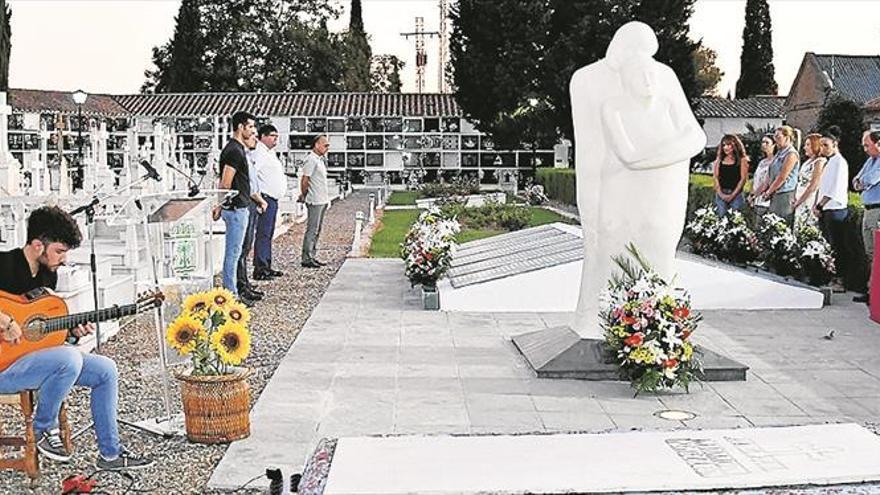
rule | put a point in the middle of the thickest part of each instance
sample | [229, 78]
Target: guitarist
[51, 233]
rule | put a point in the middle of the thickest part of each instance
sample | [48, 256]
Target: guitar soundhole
[34, 329]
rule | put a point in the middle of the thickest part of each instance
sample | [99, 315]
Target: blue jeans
[265, 233]
[53, 372]
[236, 221]
[721, 208]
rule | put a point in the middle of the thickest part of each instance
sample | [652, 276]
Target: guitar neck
[71, 321]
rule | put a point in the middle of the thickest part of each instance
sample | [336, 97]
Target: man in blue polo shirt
[868, 182]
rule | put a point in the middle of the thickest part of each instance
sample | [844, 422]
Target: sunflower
[197, 304]
[231, 342]
[221, 297]
[183, 333]
[237, 312]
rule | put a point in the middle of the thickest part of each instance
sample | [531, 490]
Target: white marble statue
[634, 136]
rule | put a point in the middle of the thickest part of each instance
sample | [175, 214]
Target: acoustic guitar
[44, 320]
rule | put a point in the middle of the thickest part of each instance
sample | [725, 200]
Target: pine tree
[356, 54]
[5, 44]
[708, 75]
[185, 71]
[757, 74]
[495, 65]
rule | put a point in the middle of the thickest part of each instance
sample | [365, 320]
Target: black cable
[248, 482]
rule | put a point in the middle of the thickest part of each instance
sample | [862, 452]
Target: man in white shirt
[313, 192]
[271, 182]
[832, 210]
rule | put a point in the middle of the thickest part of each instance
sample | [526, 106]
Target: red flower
[629, 320]
[635, 339]
[428, 256]
[680, 313]
[685, 334]
[670, 363]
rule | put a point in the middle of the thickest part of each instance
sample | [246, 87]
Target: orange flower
[681, 313]
[670, 363]
[629, 320]
[635, 339]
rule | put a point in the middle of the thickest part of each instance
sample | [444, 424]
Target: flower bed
[803, 253]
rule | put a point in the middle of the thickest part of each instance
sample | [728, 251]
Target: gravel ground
[183, 467]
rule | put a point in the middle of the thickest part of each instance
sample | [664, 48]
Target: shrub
[492, 215]
[559, 184]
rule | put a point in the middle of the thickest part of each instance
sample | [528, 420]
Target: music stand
[159, 209]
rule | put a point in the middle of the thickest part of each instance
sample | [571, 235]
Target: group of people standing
[806, 189]
[249, 167]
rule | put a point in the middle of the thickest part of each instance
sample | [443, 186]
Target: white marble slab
[555, 289]
[612, 462]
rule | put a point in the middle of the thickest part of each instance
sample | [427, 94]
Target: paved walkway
[369, 361]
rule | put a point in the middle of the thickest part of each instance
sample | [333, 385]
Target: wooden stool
[28, 462]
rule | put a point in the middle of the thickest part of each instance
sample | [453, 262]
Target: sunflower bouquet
[212, 328]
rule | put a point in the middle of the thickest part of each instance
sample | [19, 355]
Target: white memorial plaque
[611, 462]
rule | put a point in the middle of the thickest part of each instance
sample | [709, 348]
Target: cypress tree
[757, 74]
[356, 53]
[5, 44]
[185, 67]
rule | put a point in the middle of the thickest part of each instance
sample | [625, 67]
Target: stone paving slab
[441, 373]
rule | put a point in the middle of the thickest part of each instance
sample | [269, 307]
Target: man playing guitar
[51, 232]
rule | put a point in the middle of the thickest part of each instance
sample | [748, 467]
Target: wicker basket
[216, 408]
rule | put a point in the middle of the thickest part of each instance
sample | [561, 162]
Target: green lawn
[402, 198]
[395, 224]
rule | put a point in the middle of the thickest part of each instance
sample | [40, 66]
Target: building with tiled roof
[720, 116]
[368, 132]
[855, 77]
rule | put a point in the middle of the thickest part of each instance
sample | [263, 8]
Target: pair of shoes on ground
[51, 446]
[267, 274]
[313, 264]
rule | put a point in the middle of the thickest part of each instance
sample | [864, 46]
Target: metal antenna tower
[421, 57]
[443, 48]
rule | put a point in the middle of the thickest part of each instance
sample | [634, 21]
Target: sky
[104, 46]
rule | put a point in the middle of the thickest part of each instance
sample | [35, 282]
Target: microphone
[193, 187]
[151, 172]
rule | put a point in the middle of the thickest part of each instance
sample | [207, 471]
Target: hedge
[559, 184]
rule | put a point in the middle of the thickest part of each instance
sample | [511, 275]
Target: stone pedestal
[559, 352]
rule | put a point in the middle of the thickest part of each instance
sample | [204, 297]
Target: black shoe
[51, 446]
[126, 460]
[310, 264]
[256, 291]
[247, 301]
[249, 294]
[320, 263]
[262, 276]
[861, 298]
[275, 273]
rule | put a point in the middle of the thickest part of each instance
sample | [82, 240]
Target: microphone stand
[193, 186]
[89, 210]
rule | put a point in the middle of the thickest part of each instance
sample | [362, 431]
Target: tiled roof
[35, 100]
[756, 107]
[856, 77]
[300, 104]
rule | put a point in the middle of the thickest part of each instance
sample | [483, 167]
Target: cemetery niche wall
[379, 135]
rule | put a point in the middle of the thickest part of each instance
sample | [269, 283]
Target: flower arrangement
[534, 193]
[212, 328]
[737, 241]
[816, 258]
[702, 231]
[780, 245]
[647, 325]
[428, 247]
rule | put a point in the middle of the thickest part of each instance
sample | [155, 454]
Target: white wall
[716, 128]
